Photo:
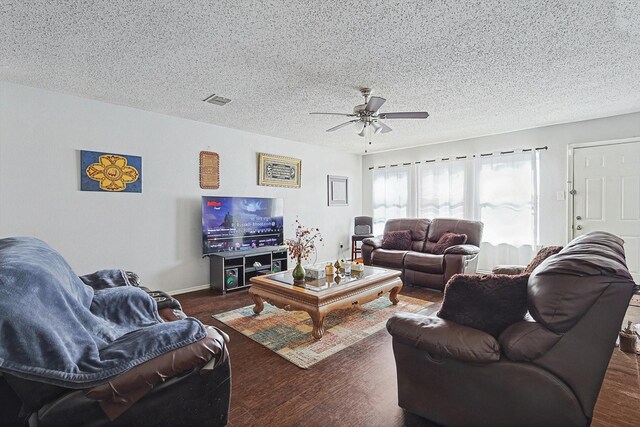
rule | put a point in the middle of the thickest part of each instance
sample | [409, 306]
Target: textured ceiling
[478, 67]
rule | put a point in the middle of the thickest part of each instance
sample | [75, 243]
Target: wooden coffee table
[319, 297]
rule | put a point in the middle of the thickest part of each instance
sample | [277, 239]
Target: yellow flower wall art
[110, 172]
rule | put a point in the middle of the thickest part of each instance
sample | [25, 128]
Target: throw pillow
[448, 239]
[543, 254]
[399, 240]
[489, 302]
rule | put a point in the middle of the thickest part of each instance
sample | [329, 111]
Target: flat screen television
[241, 223]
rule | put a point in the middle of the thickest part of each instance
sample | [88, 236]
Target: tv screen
[240, 223]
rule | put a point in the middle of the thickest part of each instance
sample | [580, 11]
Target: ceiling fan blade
[336, 114]
[340, 126]
[405, 115]
[374, 104]
[384, 127]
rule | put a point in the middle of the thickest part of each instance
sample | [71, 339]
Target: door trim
[570, 158]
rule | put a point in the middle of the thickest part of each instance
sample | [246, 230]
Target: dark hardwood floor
[357, 386]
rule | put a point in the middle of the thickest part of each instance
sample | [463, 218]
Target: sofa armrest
[113, 278]
[376, 242]
[462, 250]
[118, 394]
[443, 338]
[459, 259]
[511, 270]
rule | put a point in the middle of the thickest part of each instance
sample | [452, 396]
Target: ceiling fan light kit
[366, 115]
[364, 129]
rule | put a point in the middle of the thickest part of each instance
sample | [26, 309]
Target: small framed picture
[337, 190]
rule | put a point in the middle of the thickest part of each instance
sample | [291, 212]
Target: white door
[606, 183]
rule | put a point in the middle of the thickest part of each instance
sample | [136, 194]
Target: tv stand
[233, 269]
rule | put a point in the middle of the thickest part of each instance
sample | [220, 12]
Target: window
[506, 200]
[499, 190]
[441, 189]
[390, 195]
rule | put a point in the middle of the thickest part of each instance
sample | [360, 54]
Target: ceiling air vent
[217, 100]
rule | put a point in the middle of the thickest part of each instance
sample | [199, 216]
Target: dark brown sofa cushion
[397, 240]
[426, 263]
[448, 239]
[388, 258]
[567, 285]
[488, 302]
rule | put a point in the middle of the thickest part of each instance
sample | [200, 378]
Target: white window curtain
[441, 189]
[390, 195]
[506, 201]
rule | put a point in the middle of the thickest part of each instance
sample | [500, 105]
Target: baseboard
[191, 289]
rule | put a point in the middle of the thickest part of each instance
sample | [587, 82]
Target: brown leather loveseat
[419, 264]
[545, 370]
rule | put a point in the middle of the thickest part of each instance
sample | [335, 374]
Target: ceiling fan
[367, 115]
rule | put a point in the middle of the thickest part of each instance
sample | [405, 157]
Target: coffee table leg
[259, 303]
[393, 295]
[318, 325]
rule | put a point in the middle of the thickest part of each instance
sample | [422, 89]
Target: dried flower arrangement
[304, 243]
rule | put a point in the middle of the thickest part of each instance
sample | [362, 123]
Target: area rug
[288, 333]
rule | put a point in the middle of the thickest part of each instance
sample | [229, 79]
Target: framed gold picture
[209, 170]
[279, 171]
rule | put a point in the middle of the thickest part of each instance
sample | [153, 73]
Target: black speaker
[276, 266]
[231, 278]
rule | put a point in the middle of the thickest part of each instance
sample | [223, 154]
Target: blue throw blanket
[58, 330]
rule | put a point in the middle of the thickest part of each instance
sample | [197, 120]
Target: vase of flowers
[301, 247]
[298, 271]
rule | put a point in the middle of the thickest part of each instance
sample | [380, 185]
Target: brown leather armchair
[545, 371]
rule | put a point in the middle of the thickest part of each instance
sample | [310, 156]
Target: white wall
[553, 163]
[157, 233]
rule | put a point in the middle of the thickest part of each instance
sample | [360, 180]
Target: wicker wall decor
[209, 170]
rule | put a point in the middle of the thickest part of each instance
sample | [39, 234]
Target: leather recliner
[188, 385]
[545, 371]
